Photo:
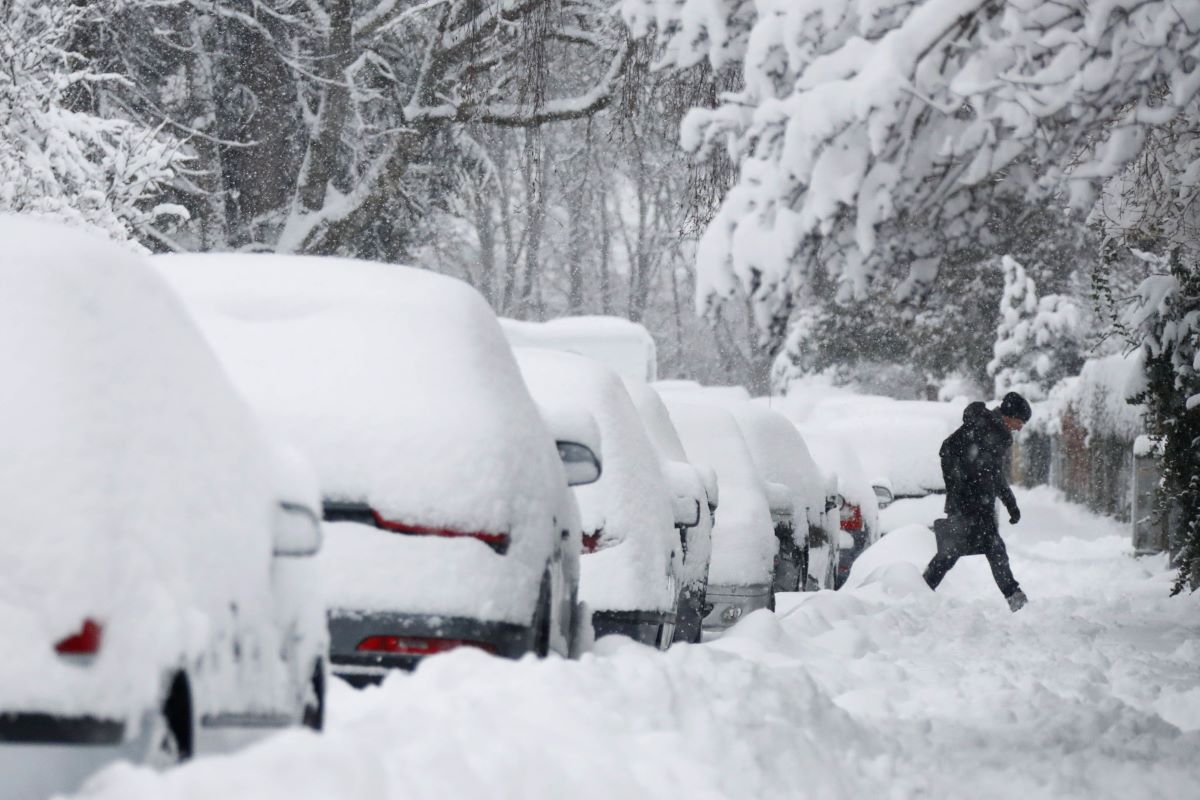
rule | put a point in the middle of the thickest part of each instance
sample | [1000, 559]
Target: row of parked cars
[230, 476]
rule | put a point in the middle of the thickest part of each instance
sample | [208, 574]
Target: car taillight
[497, 541]
[595, 542]
[86, 642]
[852, 518]
[417, 645]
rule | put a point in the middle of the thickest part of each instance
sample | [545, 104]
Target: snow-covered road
[880, 690]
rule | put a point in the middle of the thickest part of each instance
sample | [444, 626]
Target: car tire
[313, 716]
[542, 619]
[172, 733]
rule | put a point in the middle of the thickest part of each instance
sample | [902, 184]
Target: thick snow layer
[835, 454]
[631, 503]
[401, 388]
[894, 439]
[136, 488]
[623, 346]
[883, 690]
[657, 422]
[744, 544]
[780, 454]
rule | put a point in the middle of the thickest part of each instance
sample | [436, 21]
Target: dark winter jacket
[975, 466]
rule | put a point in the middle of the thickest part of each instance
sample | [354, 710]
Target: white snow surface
[400, 387]
[136, 489]
[656, 421]
[837, 455]
[631, 503]
[882, 689]
[781, 456]
[624, 346]
[744, 543]
[894, 439]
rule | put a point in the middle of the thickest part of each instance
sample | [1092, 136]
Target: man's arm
[1004, 491]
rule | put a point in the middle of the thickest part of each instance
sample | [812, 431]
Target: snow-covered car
[744, 547]
[633, 559]
[620, 344]
[442, 487]
[783, 459]
[155, 578]
[857, 502]
[896, 440]
[694, 490]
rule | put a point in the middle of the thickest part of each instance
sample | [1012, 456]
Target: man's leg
[997, 556]
[938, 567]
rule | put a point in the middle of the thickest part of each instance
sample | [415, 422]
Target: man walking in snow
[974, 459]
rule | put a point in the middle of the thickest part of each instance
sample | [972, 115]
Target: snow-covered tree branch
[862, 125]
[60, 158]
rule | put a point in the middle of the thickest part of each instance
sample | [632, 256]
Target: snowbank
[623, 346]
[885, 690]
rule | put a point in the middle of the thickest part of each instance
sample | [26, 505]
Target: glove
[1014, 515]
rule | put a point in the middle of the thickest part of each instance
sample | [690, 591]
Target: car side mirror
[883, 493]
[687, 511]
[296, 531]
[580, 462]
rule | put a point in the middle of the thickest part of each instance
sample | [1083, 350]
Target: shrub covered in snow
[60, 160]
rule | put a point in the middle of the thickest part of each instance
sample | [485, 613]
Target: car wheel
[542, 620]
[171, 732]
[314, 703]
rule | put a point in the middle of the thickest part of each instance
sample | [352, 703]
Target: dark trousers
[993, 547]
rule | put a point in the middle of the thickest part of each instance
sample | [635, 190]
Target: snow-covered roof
[620, 344]
[631, 503]
[136, 486]
[744, 544]
[401, 388]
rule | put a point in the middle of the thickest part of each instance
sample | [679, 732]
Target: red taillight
[84, 643]
[416, 645]
[852, 518]
[497, 541]
[591, 542]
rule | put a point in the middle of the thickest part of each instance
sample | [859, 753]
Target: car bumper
[348, 628]
[645, 627]
[32, 728]
[731, 603]
[42, 755]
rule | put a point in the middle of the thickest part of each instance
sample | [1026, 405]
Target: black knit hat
[1015, 406]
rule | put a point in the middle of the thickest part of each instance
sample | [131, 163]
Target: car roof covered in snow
[836, 455]
[782, 456]
[894, 439]
[137, 486]
[622, 345]
[397, 383]
[631, 501]
[744, 544]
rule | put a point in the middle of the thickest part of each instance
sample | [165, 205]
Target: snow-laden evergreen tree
[59, 157]
[1037, 339]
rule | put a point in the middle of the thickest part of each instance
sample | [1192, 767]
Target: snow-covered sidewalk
[883, 689]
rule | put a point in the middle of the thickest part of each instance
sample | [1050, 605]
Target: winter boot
[1017, 601]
